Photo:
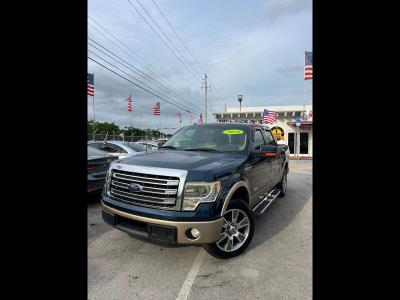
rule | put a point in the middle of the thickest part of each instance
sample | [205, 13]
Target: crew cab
[204, 186]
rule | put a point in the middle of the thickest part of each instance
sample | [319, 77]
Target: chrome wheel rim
[235, 230]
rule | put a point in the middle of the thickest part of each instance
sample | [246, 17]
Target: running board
[260, 208]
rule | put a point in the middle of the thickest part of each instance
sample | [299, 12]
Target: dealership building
[284, 129]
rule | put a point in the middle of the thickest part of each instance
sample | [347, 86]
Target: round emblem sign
[278, 133]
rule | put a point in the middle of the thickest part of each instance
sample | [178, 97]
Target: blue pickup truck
[203, 186]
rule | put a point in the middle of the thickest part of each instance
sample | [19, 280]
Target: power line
[186, 108]
[166, 36]
[138, 56]
[174, 102]
[182, 42]
[137, 84]
[180, 39]
[145, 76]
[151, 27]
[146, 64]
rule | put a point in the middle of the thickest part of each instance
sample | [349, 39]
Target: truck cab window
[270, 141]
[258, 140]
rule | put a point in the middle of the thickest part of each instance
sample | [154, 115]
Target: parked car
[161, 141]
[118, 148]
[150, 145]
[98, 163]
[203, 186]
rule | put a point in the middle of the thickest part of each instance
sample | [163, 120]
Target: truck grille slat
[147, 189]
[159, 191]
[140, 198]
[147, 179]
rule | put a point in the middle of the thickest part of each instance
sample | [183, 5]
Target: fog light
[195, 233]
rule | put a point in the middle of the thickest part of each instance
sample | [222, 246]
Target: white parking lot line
[187, 285]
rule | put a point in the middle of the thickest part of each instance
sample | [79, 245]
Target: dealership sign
[278, 133]
[305, 127]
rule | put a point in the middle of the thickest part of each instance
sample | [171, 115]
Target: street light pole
[240, 99]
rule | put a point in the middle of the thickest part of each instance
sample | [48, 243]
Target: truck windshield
[209, 138]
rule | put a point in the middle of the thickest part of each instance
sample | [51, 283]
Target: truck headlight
[199, 192]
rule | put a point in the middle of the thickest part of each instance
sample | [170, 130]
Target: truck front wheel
[236, 233]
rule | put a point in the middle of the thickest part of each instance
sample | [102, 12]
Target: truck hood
[199, 164]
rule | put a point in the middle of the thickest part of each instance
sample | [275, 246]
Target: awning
[302, 123]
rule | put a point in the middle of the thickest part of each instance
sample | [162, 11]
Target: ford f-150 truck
[203, 186]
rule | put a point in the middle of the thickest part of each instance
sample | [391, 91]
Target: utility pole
[206, 87]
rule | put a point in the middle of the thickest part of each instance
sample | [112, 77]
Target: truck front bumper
[169, 231]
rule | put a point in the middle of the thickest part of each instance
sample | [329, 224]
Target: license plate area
[162, 233]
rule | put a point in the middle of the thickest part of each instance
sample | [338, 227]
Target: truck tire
[236, 233]
[282, 185]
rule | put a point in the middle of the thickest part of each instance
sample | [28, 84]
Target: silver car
[150, 145]
[98, 163]
[118, 148]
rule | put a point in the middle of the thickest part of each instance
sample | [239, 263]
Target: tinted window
[110, 148]
[95, 145]
[269, 138]
[119, 149]
[135, 147]
[93, 151]
[258, 140]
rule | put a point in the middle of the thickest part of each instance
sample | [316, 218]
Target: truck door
[259, 169]
[275, 162]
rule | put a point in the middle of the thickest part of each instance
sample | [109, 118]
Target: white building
[284, 129]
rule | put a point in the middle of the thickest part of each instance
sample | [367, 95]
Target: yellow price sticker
[233, 131]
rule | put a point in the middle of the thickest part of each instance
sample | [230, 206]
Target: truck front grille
[157, 190]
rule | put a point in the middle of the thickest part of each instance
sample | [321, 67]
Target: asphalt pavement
[276, 265]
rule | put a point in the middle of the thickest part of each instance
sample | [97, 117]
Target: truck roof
[238, 125]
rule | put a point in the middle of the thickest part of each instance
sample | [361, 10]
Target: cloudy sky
[254, 48]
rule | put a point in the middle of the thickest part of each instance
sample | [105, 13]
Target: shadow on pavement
[283, 210]
[93, 198]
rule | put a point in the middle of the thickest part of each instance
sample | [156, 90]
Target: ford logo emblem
[134, 187]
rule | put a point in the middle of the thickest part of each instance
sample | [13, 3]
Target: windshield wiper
[168, 147]
[202, 149]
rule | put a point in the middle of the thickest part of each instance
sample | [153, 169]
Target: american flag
[200, 121]
[90, 84]
[191, 118]
[269, 117]
[308, 66]
[180, 117]
[129, 99]
[156, 109]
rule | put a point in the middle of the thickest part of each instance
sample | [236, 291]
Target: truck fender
[231, 192]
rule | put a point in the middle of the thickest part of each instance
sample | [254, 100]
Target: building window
[303, 142]
[291, 142]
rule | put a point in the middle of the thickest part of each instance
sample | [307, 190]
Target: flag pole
[304, 95]
[94, 115]
[94, 118]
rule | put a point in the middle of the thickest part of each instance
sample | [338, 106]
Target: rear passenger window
[109, 148]
[119, 149]
[269, 138]
[95, 145]
[258, 140]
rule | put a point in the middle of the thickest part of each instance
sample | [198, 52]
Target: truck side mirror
[266, 151]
